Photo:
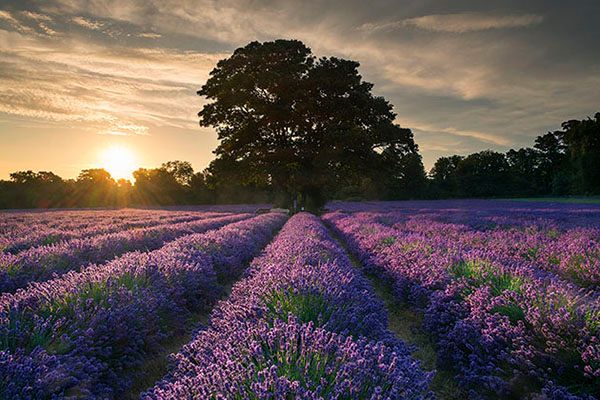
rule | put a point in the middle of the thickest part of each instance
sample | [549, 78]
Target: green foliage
[592, 321]
[11, 269]
[512, 310]
[531, 253]
[479, 273]
[24, 332]
[388, 241]
[311, 369]
[305, 306]
[307, 368]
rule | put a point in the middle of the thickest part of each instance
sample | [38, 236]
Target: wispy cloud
[87, 23]
[123, 129]
[484, 137]
[115, 90]
[149, 35]
[470, 22]
[36, 16]
[28, 22]
[10, 19]
[7, 16]
[457, 23]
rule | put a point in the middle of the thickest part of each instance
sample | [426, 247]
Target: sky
[81, 77]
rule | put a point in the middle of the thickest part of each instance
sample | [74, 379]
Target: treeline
[174, 183]
[563, 162]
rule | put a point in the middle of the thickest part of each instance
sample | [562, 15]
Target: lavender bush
[41, 263]
[21, 239]
[304, 324]
[75, 335]
[508, 322]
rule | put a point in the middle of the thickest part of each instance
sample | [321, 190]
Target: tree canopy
[305, 126]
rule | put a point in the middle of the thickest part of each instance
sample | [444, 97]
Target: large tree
[304, 125]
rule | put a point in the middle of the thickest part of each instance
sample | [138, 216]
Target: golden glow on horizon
[119, 162]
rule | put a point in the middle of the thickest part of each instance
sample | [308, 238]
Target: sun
[119, 162]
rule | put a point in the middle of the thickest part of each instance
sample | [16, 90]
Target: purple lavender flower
[504, 315]
[303, 324]
[78, 332]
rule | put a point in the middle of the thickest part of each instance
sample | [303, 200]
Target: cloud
[46, 29]
[149, 35]
[114, 90]
[87, 23]
[14, 22]
[124, 129]
[457, 23]
[484, 137]
[7, 16]
[28, 22]
[36, 16]
[470, 22]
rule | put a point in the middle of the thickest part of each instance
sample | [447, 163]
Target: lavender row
[500, 323]
[76, 335]
[19, 236]
[564, 215]
[573, 254]
[45, 235]
[304, 324]
[42, 263]
[10, 222]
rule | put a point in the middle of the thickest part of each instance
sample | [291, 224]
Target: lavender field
[375, 300]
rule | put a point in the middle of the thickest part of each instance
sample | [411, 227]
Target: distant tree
[124, 193]
[552, 158]
[95, 188]
[443, 175]
[168, 185]
[200, 189]
[36, 189]
[483, 174]
[582, 139]
[525, 172]
[155, 186]
[182, 171]
[299, 123]
[405, 175]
